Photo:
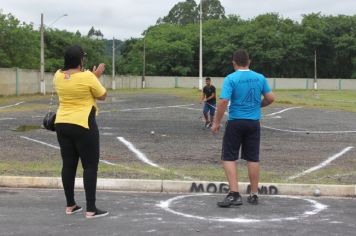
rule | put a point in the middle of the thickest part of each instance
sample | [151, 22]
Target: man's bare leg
[254, 175]
[231, 175]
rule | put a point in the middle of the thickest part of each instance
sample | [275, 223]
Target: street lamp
[43, 84]
[201, 46]
[144, 63]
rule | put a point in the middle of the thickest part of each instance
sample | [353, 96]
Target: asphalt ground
[292, 141]
[39, 212]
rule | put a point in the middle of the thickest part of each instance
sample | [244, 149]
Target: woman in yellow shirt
[77, 131]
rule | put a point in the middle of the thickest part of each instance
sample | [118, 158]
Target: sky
[124, 19]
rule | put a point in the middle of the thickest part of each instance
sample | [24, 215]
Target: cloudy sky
[124, 19]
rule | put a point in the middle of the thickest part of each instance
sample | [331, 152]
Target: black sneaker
[252, 199]
[76, 209]
[98, 213]
[232, 199]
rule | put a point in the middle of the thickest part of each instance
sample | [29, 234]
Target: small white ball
[152, 132]
[317, 192]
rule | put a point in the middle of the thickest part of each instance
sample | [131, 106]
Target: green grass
[333, 100]
[52, 168]
[344, 100]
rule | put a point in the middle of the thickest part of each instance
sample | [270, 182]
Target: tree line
[278, 47]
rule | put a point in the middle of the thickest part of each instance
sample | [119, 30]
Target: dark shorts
[244, 134]
[209, 106]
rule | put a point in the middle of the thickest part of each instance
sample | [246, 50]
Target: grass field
[336, 100]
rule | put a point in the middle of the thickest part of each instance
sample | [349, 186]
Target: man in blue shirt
[244, 89]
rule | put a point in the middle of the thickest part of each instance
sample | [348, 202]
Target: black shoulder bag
[50, 117]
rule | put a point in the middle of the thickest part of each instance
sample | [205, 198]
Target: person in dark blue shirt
[243, 89]
[209, 98]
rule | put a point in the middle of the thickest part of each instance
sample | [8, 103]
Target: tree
[187, 12]
[19, 45]
[212, 10]
[182, 13]
[95, 34]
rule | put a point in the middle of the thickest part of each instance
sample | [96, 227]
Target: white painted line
[149, 108]
[284, 110]
[1, 119]
[33, 117]
[323, 164]
[317, 208]
[309, 131]
[107, 162]
[37, 141]
[139, 154]
[189, 108]
[159, 107]
[107, 134]
[56, 147]
[16, 104]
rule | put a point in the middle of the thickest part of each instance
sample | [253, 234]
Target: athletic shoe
[98, 213]
[210, 125]
[232, 199]
[207, 124]
[252, 199]
[76, 209]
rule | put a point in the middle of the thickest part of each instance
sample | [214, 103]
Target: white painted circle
[317, 208]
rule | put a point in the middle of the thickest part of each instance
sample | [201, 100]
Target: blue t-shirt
[244, 89]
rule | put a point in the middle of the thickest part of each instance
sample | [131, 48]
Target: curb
[170, 186]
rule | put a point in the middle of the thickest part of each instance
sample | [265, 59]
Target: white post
[201, 46]
[315, 73]
[144, 63]
[42, 79]
[113, 82]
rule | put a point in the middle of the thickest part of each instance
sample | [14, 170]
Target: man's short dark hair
[208, 78]
[241, 58]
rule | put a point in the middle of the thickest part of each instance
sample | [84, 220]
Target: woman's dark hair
[73, 57]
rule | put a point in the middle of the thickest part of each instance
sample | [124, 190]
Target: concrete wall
[20, 81]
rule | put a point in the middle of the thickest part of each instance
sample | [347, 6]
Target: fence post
[176, 82]
[274, 83]
[340, 84]
[307, 84]
[17, 80]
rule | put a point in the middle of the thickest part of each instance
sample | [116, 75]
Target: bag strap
[51, 102]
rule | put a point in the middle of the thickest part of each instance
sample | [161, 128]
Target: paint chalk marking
[107, 162]
[138, 153]
[281, 111]
[56, 147]
[323, 164]
[309, 131]
[40, 142]
[149, 108]
[316, 208]
[16, 104]
[2, 119]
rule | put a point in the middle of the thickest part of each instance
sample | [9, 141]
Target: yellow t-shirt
[77, 94]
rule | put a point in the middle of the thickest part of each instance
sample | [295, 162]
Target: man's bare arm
[221, 108]
[268, 99]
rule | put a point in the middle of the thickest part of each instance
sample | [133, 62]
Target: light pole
[315, 73]
[144, 63]
[42, 63]
[113, 83]
[201, 46]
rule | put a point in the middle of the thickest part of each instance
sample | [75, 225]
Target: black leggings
[76, 141]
